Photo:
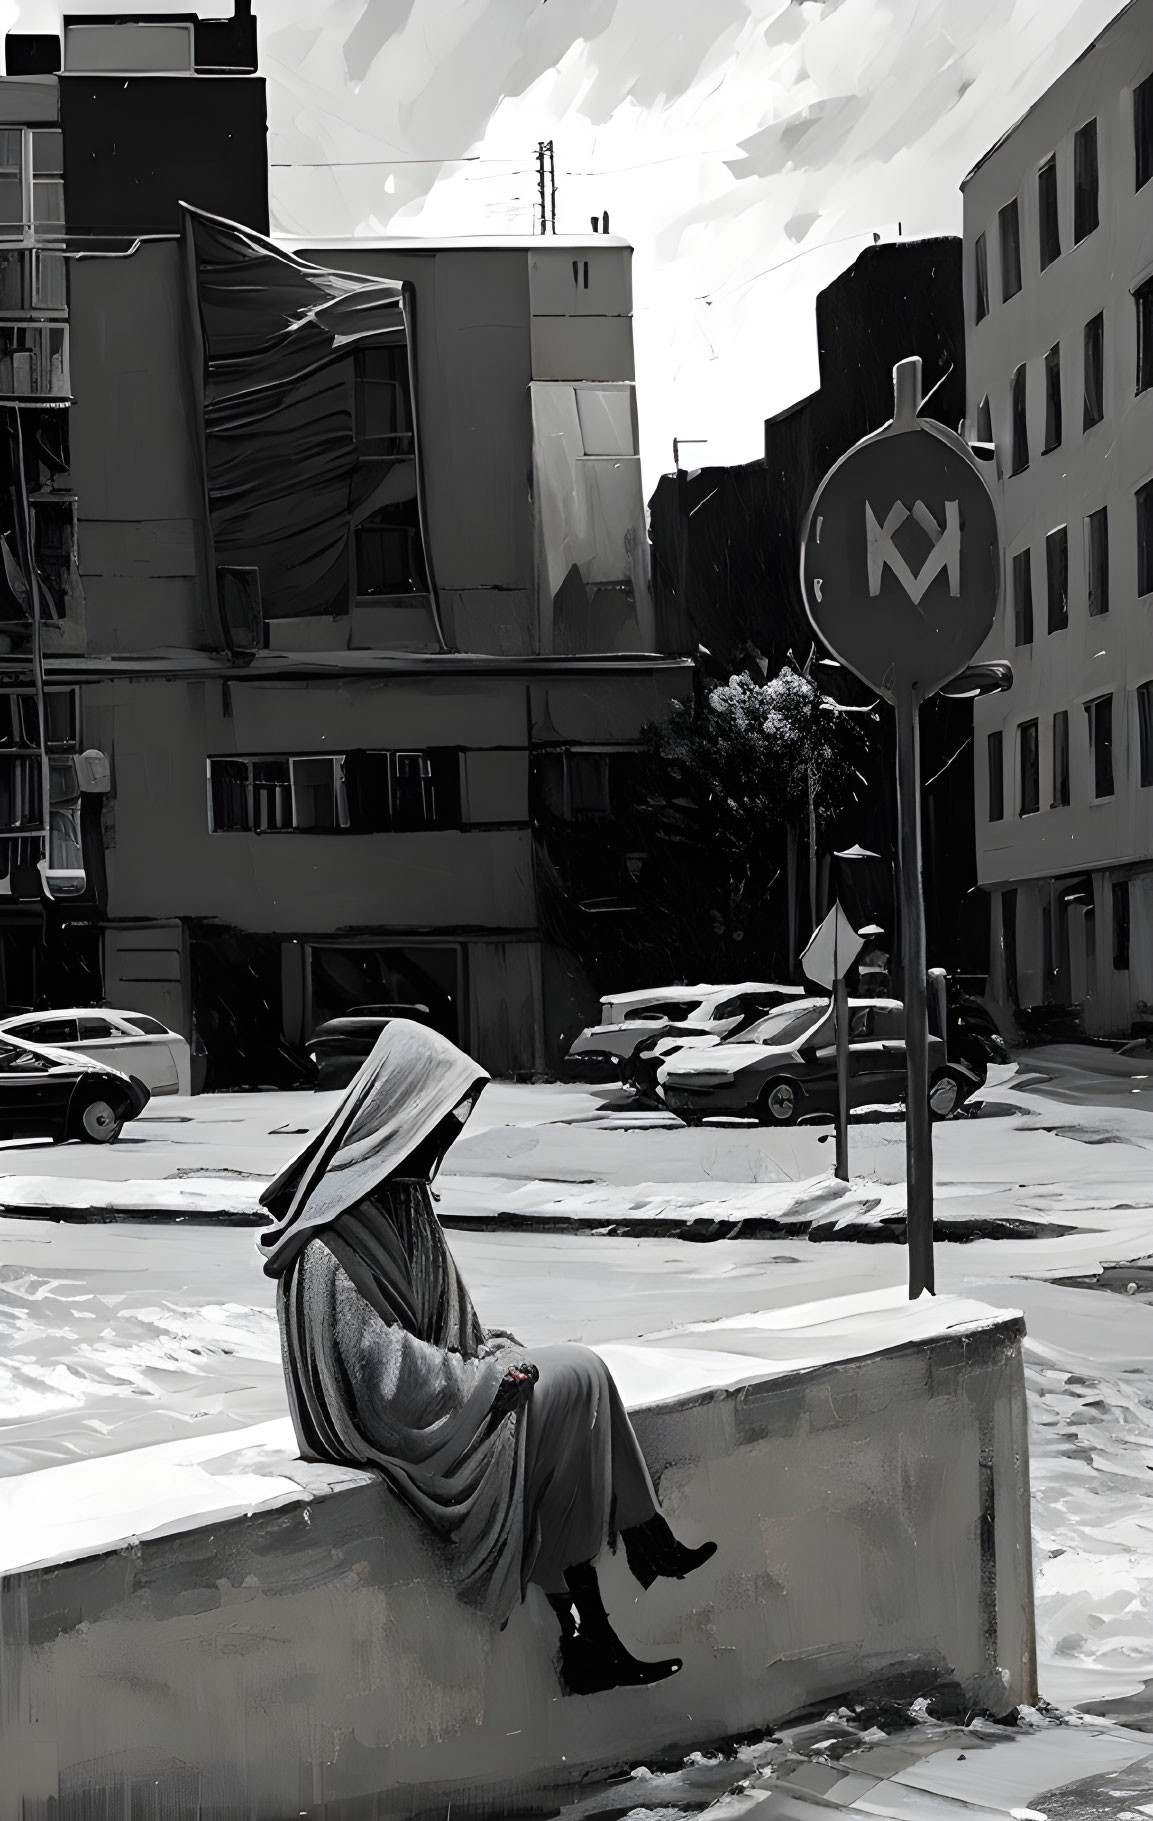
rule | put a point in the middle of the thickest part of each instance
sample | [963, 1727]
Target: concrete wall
[135, 466]
[872, 1521]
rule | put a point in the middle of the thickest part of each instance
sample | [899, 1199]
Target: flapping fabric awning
[283, 476]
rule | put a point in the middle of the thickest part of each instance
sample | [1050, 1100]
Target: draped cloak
[388, 1365]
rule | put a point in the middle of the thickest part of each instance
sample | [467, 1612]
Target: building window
[1100, 715]
[981, 276]
[1094, 372]
[1020, 422]
[1097, 561]
[389, 554]
[1061, 759]
[1009, 222]
[54, 541]
[1144, 500]
[1053, 397]
[996, 777]
[984, 422]
[1085, 181]
[382, 404]
[1023, 598]
[31, 182]
[1143, 302]
[1048, 220]
[1145, 733]
[1030, 769]
[1057, 577]
[356, 793]
[1121, 925]
[1143, 133]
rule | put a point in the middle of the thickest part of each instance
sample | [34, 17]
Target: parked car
[631, 1022]
[58, 1094]
[129, 1042]
[785, 1068]
[651, 1056]
[339, 1046]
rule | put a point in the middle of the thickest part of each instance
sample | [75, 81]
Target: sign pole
[918, 1126]
[841, 1017]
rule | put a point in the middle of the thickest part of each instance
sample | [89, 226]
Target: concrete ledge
[278, 1640]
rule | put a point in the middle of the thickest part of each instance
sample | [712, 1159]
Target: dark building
[334, 549]
[726, 568]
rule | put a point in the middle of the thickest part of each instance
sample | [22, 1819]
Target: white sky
[749, 149]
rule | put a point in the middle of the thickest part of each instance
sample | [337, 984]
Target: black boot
[651, 1550]
[592, 1657]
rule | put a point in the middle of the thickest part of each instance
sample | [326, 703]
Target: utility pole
[546, 184]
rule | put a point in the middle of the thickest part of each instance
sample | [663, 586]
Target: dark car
[785, 1067]
[47, 1093]
[338, 1047]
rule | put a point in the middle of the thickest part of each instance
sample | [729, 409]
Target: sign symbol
[945, 553]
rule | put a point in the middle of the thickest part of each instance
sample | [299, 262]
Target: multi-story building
[1058, 235]
[338, 549]
[726, 562]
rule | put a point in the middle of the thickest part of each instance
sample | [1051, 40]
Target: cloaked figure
[522, 1463]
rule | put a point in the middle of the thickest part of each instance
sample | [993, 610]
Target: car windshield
[786, 1025]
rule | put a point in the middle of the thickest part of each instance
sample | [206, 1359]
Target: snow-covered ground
[117, 1335]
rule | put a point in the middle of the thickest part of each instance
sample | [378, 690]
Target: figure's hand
[513, 1392]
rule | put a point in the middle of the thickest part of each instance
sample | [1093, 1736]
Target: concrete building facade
[355, 538]
[1058, 236]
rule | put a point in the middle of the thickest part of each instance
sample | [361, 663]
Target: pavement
[578, 1215]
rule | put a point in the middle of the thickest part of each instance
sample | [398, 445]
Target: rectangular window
[1009, 222]
[319, 799]
[981, 276]
[230, 795]
[1144, 501]
[1143, 133]
[358, 792]
[11, 183]
[1121, 925]
[996, 777]
[1048, 219]
[1143, 303]
[1061, 759]
[1145, 733]
[47, 178]
[381, 391]
[1023, 598]
[271, 795]
[1028, 750]
[1100, 715]
[1020, 421]
[1094, 372]
[1053, 397]
[1097, 561]
[1085, 181]
[1057, 577]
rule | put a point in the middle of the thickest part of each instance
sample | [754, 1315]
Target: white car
[632, 1022]
[129, 1041]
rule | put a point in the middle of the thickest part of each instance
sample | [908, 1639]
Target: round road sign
[900, 558]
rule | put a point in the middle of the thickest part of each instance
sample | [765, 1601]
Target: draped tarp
[282, 473]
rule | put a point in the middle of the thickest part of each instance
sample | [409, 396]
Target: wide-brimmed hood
[407, 1086]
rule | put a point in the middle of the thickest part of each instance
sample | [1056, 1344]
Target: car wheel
[99, 1122]
[779, 1104]
[946, 1092]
